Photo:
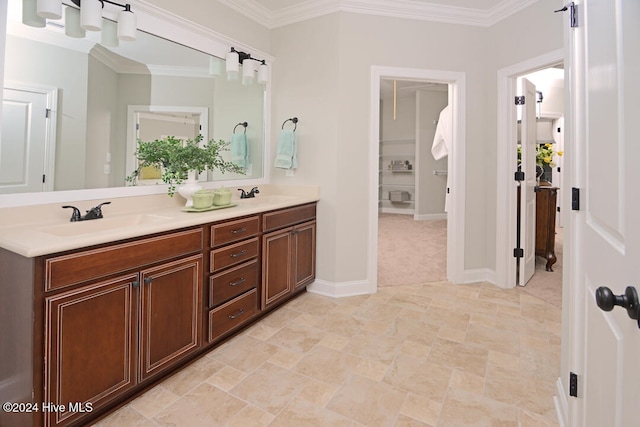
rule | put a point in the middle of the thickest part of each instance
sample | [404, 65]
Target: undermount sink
[79, 228]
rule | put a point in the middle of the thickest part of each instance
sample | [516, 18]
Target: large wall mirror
[73, 107]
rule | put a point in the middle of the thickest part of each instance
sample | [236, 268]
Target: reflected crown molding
[406, 9]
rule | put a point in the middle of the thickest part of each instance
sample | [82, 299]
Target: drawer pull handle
[237, 282]
[238, 314]
[241, 230]
[238, 254]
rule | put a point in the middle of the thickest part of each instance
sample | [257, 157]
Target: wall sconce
[249, 67]
[34, 13]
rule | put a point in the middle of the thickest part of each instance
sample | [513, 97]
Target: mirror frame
[166, 25]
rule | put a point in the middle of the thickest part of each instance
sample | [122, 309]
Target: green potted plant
[179, 161]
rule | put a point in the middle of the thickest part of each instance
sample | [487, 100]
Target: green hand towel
[239, 149]
[286, 156]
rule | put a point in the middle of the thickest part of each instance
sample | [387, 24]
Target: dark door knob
[606, 300]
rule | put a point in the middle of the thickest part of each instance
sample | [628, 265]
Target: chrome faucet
[250, 194]
[93, 213]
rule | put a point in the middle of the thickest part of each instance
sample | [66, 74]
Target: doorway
[412, 222]
[456, 160]
[506, 212]
[546, 279]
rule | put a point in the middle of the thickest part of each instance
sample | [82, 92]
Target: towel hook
[245, 124]
[295, 123]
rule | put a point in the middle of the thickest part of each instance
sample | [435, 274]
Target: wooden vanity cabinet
[234, 261]
[288, 251]
[94, 326]
[106, 335]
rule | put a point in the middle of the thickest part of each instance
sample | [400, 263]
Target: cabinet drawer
[233, 254]
[231, 283]
[78, 267]
[233, 231]
[232, 314]
[289, 216]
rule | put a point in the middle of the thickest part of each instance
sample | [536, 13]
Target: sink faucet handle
[243, 194]
[96, 212]
[75, 216]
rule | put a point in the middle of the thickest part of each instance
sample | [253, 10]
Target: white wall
[535, 31]
[323, 71]
[102, 88]
[337, 116]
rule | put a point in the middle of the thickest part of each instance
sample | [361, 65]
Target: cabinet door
[170, 314]
[90, 346]
[276, 266]
[304, 254]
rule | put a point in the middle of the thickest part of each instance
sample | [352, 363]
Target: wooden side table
[546, 198]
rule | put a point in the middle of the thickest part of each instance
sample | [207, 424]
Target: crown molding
[405, 9]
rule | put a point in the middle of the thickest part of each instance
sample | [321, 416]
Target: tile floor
[419, 355]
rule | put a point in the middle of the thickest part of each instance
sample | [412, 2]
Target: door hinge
[575, 199]
[43, 178]
[520, 100]
[573, 384]
[558, 208]
[573, 13]
[518, 252]
[558, 169]
[519, 176]
[47, 112]
[137, 126]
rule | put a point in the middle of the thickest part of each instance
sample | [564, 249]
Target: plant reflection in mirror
[175, 158]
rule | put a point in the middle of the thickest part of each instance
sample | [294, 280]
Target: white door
[24, 141]
[605, 250]
[527, 224]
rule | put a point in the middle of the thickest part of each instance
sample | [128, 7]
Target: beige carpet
[411, 251]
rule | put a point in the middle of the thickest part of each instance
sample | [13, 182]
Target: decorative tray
[210, 208]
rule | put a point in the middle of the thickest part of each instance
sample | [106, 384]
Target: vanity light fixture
[72, 26]
[51, 9]
[89, 17]
[30, 15]
[249, 67]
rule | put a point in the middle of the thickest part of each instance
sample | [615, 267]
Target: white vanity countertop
[45, 229]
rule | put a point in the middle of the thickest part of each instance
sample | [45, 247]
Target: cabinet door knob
[148, 280]
[135, 284]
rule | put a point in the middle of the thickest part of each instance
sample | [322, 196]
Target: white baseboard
[362, 287]
[403, 211]
[426, 217]
[561, 404]
[479, 275]
[339, 290]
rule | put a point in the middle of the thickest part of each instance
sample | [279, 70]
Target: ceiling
[277, 13]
